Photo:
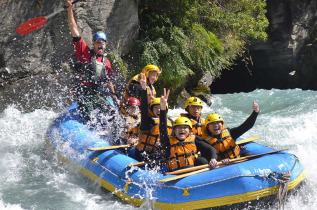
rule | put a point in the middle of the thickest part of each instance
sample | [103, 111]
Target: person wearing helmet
[132, 117]
[183, 146]
[149, 145]
[194, 106]
[224, 139]
[133, 87]
[93, 69]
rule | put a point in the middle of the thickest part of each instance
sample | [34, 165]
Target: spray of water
[30, 179]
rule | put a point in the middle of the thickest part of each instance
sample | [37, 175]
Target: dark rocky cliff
[32, 73]
[288, 59]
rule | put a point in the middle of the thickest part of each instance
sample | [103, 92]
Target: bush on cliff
[186, 38]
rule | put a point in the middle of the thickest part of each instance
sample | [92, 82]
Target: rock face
[32, 73]
[287, 59]
[35, 60]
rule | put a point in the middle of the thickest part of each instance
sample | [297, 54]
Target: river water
[32, 179]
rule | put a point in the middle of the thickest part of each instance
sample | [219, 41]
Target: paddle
[37, 22]
[203, 168]
[219, 163]
[108, 147]
[243, 141]
[145, 162]
[136, 164]
[193, 172]
[185, 170]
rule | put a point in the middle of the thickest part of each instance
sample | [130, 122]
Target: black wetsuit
[244, 127]
[147, 123]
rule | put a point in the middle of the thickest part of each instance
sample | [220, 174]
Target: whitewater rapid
[32, 179]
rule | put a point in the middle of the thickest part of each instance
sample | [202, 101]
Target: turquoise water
[31, 179]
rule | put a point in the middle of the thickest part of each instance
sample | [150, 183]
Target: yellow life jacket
[132, 128]
[149, 141]
[125, 96]
[225, 145]
[182, 153]
[197, 126]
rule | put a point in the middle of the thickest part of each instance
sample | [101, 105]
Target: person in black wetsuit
[182, 148]
[224, 139]
[149, 145]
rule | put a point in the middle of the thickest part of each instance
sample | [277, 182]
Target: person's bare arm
[71, 20]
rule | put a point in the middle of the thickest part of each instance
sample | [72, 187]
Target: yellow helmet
[149, 68]
[156, 101]
[213, 117]
[183, 121]
[193, 101]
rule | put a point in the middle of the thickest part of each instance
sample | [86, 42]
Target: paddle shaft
[136, 164]
[186, 170]
[145, 162]
[243, 141]
[194, 172]
[108, 147]
[202, 166]
[60, 10]
[207, 168]
[37, 22]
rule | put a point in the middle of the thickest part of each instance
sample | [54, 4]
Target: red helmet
[132, 102]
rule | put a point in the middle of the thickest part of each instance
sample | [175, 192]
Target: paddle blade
[31, 25]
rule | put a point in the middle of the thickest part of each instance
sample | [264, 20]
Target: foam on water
[32, 180]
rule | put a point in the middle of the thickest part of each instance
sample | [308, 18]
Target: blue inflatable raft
[235, 184]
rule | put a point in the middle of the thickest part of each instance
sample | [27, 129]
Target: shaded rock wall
[287, 59]
[33, 62]
[32, 73]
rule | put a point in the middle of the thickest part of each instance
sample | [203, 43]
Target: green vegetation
[118, 64]
[186, 38]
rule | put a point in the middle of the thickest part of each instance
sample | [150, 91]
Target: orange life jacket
[197, 126]
[132, 128]
[149, 141]
[182, 153]
[225, 145]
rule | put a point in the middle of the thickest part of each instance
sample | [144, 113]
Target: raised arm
[163, 119]
[248, 124]
[71, 20]
[145, 119]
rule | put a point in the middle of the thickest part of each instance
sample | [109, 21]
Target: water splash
[31, 180]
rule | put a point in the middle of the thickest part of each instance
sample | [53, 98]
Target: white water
[30, 179]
